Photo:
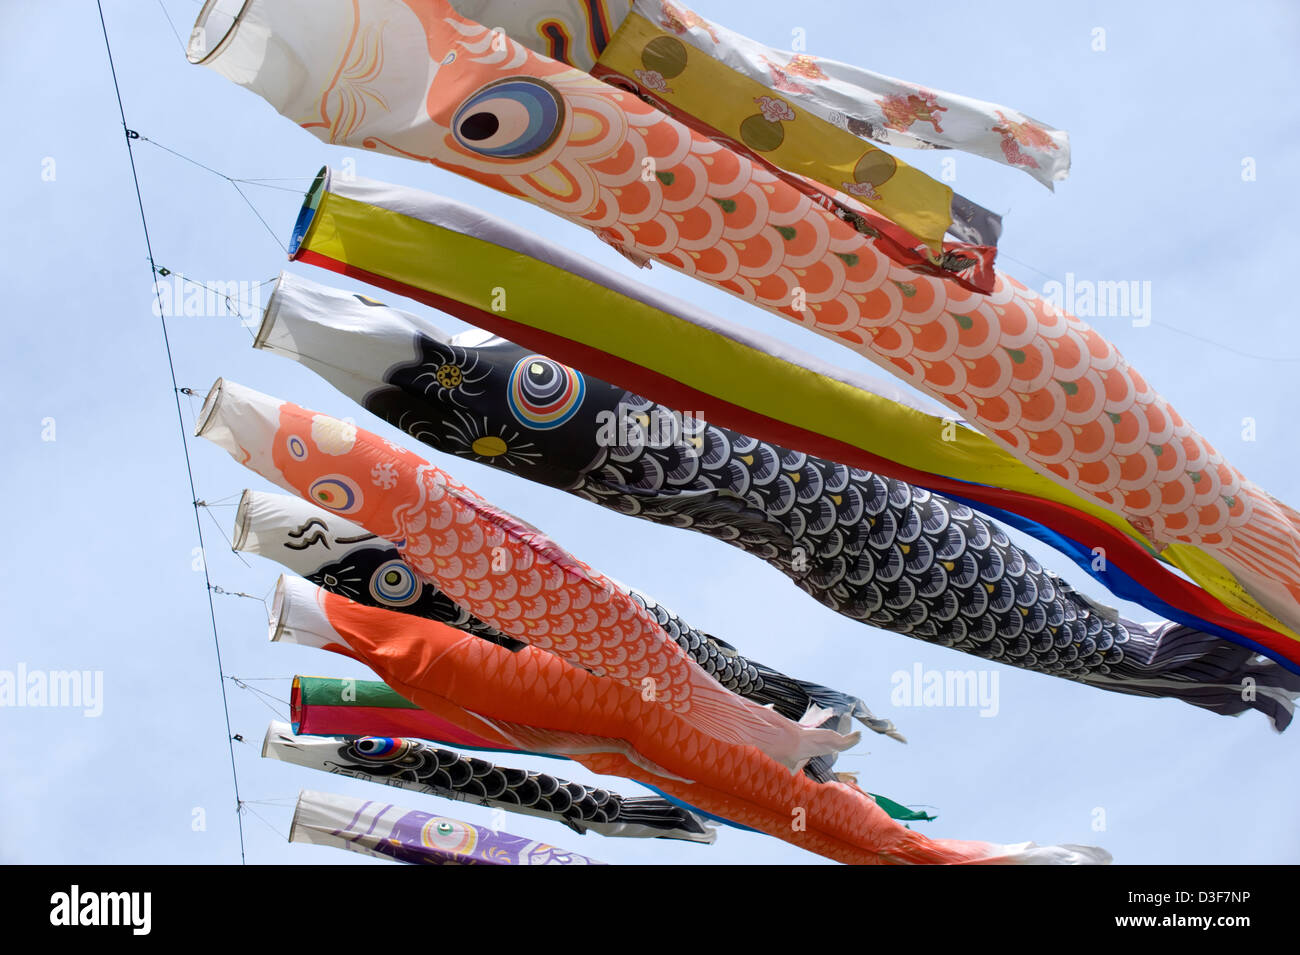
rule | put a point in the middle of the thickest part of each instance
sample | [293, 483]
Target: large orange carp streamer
[415, 79]
[503, 571]
[535, 701]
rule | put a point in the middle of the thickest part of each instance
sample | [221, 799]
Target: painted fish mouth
[242, 520]
[279, 607]
[217, 17]
[209, 409]
[272, 310]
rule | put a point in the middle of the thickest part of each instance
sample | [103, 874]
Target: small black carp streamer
[875, 549]
[343, 558]
[416, 765]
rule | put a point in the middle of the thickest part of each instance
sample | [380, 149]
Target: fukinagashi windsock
[539, 703]
[330, 706]
[1041, 383]
[376, 827]
[875, 549]
[504, 571]
[454, 258]
[336, 554]
[416, 765]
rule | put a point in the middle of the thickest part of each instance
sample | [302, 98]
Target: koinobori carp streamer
[872, 548]
[505, 572]
[422, 767]
[379, 828]
[858, 102]
[343, 558]
[330, 706]
[793, 111]
[512, 695]
[1041, 383]
[815, 155]
[451, 257]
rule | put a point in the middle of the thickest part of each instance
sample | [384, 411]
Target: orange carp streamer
[535, 701]
[1040, 382]
[503, 571]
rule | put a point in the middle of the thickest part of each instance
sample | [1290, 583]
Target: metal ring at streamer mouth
[209, 409]
[307, 213]
[295, 704]
[242, 520]
[212, 14]
[279, 606]
[269, 314]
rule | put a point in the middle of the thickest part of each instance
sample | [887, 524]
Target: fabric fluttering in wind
[343, 558]
[326, 706]
[569, 304]
[872, 548]
[416, 765]
[862, 103]
[504, 571]
[566, 306]
[836, 167]
[375, 827]
[330, 706]
[612, 729]
[792, 126]
[1039, 382]
[904, 210]
[851, 101]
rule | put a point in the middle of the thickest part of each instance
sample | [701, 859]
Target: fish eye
[336, 492]
[394, 585]
[544, 394]
[509, 119]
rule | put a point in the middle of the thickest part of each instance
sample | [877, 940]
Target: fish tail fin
[1206, 671]
[722, 714]
[916, 849]
[655, 812]
[1027, 853]
[793, 698]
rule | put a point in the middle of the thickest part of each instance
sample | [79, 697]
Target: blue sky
[97, 574]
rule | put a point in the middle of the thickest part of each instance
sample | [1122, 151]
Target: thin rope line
[245, 807]
[233, 184]
[180, 420]
[257, 181]
[184, 48]
[1165, 325]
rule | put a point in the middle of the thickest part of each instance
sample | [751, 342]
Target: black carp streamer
[874, 549]
[344, 559]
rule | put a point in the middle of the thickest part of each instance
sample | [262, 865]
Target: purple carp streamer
[422, 767]
[872, 548]
[380, 829]
[345, 559]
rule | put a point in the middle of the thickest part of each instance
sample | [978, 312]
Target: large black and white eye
[510, 119]
[544, 394]
[394, 585]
